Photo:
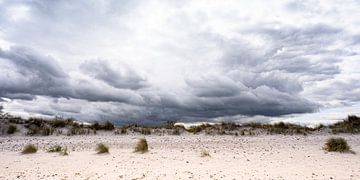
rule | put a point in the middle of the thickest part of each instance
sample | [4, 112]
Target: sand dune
[179, 157]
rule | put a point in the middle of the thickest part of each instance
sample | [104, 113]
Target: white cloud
[18, 13]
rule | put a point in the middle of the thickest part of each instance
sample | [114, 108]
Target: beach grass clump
[145, 131]
[58, 149]
[205, 153]
[108, 126]
[64, 151]
[142, 146]
[121, 130]
[349, 125]
[337, 145]
[11, 129]
[194, 129]
[102, 148]
[58, 123]
[29, 149]
[55, 148]
[44, 131]
[176, 131]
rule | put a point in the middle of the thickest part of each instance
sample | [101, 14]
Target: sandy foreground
[179, 157]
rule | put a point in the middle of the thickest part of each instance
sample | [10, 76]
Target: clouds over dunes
[151, 61]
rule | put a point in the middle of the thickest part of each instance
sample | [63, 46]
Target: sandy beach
[179, 157]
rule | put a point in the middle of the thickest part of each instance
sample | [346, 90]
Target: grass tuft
[142, 146]
[29, 149]
[55, 148]
[102, 148]
[11, 129]
[205, 153]
[336, 145]
[64, 152]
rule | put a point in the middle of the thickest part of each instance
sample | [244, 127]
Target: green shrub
[142, 146]
[336, 145]
[28, 149]
[102, 148]
[11, 129]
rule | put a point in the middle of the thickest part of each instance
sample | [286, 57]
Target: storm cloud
[189, 61]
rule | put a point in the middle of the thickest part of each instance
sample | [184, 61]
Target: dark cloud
[122, 78]
[241, 99]
[32, 74]
[29, 74]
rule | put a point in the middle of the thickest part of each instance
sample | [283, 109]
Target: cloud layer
[152, 61]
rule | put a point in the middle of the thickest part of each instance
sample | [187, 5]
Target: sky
[154, 61]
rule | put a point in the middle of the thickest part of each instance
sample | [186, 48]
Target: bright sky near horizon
[148, 61]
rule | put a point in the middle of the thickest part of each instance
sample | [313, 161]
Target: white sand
[179, 157]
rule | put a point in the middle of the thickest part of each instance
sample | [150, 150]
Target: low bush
[28, 149]
[142, 146]
[336, 145]
[102, 148]
[11, 129]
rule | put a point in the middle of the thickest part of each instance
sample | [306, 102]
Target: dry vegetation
[349, 125]
[55, 148]
[102, 148]
[337, 145]
[70, 127]
[11, 129]
[29, 149]
[62, 151]
[141, 146]
[205, 153]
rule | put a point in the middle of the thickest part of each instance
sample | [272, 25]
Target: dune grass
[205, 153]
[55, 148]
[349, 125]
[102, 148]
[337, 145]
[11, 129]
[142, 146]
[29, 149]
[64, 152]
